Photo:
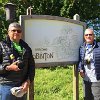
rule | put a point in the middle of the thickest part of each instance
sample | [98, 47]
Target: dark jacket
[27, 64]
[96, 55]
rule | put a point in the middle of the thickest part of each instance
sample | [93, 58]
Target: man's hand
[13, 67]
[82, 73]
[25, 85]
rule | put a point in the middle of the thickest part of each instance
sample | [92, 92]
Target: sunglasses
[18, 31]
[88, 34]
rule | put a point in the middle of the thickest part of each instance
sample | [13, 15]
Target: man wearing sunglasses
[89, 66]
[17, 66]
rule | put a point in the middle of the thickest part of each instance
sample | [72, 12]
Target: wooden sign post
[30, 94]
[75, 73]
[75, 83]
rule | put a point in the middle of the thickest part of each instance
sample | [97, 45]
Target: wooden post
[30, 95]
[75, 83]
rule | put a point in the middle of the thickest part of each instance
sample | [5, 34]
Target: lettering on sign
[44, 56]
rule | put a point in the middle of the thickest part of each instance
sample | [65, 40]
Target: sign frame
[23, 18]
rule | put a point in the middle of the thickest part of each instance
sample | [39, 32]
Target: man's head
[15, 32]
[89, 36]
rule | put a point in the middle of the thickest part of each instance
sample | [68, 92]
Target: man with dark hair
[17, 66]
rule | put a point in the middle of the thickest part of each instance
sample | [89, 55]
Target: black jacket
[27, 64]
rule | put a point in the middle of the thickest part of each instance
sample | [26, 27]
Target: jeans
[5, 93]
[91, 90]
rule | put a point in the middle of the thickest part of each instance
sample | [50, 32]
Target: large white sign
[53, 41]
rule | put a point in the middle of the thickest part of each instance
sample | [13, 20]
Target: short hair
[89, 29]
[15, 24]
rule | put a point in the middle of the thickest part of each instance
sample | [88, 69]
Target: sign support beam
[30, 94]
[75, 83]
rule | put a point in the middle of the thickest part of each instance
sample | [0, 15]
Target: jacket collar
[95, 44]
[8, 41]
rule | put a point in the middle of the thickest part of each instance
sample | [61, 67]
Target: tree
[87, 9]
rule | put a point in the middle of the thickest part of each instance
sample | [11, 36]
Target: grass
[55, 84]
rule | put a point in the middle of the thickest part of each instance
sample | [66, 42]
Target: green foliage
[67, 6]
[55, 84]
[89, 10]
[95, 24]
[2, 22]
